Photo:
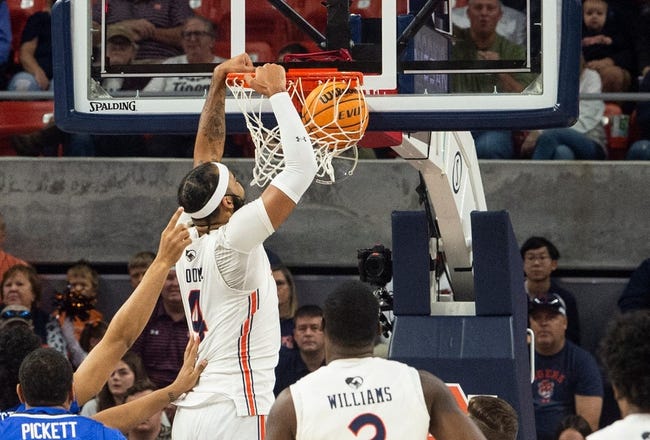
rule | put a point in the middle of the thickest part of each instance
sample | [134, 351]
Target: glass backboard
[424, 66]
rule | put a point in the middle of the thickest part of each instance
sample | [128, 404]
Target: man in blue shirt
[308, 354]
[46, 390]
[567, 378]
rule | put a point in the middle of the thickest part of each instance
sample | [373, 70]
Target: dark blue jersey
[54, 423]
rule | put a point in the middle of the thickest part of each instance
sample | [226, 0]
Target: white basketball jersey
[239, 329]
[632, 427]
[361, 398]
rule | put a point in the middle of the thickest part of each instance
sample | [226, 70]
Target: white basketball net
[335, 147]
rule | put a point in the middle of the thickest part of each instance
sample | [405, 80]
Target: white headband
[219, 193]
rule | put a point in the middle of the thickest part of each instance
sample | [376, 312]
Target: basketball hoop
[334, 142]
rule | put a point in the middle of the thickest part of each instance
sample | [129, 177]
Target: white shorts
[216, 421]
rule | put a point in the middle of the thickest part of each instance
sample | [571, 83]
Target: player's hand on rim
[269, 79]
[238, 64]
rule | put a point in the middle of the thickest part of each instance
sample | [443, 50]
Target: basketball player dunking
[228, 291]
[359, 396]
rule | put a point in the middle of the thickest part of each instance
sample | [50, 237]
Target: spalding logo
[97, 106]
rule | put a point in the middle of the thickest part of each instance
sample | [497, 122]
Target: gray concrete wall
[105, 210]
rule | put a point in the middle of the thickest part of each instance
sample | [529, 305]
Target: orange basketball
[335, 113]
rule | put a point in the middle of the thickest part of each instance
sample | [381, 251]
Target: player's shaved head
[351, 315]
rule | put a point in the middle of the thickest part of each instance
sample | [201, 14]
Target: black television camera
[376, 268]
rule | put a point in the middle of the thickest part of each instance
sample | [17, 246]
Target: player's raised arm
[447, 421]
[130, 319]
[285, 190]
[211, 134]
[128, 415]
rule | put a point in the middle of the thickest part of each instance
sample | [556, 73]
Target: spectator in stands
[573, 427]
[640, 150]
[92, 333]
[35, 53]
[636, 295]
[512, 24]
[5, 43]
[21, 286]
[138, 265]
[287, 301]
[16, 342]
[625, 351]
[156, 24]
[495, 417]
[16, 315]
[481, 42]
[162, 342]
[540, 261]
[290, 49]
[6, 260]
[127, 371]
[607, 46]
[642, 39]
[125, 326]
[585, 140]
[197, 39]
[153, 427]
[567, 379]
[77, 304]
[121, 49]
[309, 353]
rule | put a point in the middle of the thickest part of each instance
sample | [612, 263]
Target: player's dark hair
[540, 242]
[45, 378]
[351, 315]
[16, 342]
[197, 187]
[625, 352]
[495, 417]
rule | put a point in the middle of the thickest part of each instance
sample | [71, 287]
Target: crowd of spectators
[615, 48]
[567, 390]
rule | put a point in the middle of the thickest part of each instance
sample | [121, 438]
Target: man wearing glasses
[567, 378]
[540, 261]
[197, 39]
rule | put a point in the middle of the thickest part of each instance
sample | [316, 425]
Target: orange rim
[310, 78]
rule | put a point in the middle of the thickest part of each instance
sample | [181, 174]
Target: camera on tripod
[376, 268]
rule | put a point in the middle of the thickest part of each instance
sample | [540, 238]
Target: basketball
[335, 113]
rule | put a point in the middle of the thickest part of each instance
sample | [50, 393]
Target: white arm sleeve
[299, 161]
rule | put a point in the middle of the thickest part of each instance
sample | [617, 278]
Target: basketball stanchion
[331, 105]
